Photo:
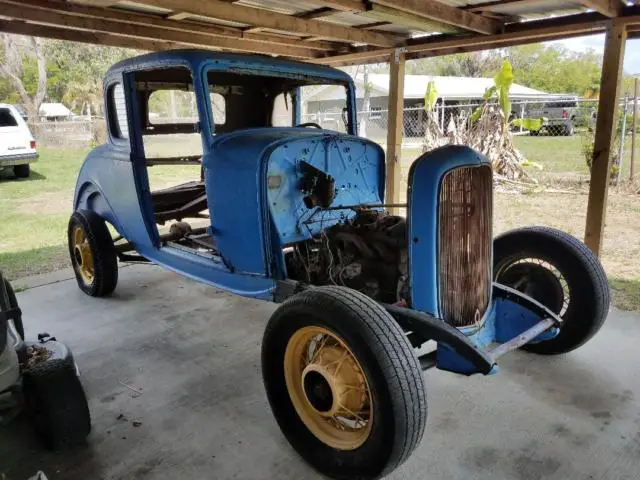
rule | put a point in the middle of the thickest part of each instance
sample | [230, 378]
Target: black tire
[583, 298]
[22, 171]
[13, 303]
[104, 257]
[56, 404]
[534, 133]
[390, 367]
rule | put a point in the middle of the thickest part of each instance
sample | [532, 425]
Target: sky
[596, 42]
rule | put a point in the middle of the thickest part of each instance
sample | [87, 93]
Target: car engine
[368, 253]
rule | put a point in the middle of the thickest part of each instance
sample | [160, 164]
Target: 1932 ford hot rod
[295, 214]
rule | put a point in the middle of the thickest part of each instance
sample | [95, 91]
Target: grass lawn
[34, 212]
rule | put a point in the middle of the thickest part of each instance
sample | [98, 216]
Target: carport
[347, 32]
[172, 367]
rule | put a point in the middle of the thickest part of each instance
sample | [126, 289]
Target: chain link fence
[553, 118]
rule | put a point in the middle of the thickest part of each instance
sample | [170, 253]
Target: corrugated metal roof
[387, 26]
[521, 10]
[526, 10]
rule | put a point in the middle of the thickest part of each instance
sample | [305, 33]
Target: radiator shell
[465, 215]
[423, 215]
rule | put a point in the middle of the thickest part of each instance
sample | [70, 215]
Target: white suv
[17, 145]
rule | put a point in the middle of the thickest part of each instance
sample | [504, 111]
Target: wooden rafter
[278, 21]
[529, 32]
[183, 26]
[22, 28]
[98, 3]
[492, 6]
[409, 20]
[609, 8]
[344, 5]
[317, 13]
[190, 39]
[446, 14]
[177, 16]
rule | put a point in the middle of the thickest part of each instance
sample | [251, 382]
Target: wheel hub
[83, 255]
[536, 281]
[328, 388]
[329, 382]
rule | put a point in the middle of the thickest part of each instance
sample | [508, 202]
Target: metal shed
[344, 32]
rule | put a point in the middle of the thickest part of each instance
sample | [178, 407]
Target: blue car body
[257, 210]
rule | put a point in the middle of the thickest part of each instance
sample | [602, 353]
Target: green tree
[79, 71]
[23, 65]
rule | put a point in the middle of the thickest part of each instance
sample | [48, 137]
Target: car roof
[197, 56]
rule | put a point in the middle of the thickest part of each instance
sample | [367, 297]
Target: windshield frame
[300, 72]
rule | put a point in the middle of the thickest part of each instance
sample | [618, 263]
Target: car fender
[90, 197]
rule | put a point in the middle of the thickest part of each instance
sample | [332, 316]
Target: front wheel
[93, 254]
[559, 271]
[343, 383]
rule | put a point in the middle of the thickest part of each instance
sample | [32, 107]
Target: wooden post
[395, 126]
[605, 135]
[636, 92]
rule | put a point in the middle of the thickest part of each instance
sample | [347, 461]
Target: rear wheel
[22, 171]
[93, 254]
[560, 272]
[343, 383]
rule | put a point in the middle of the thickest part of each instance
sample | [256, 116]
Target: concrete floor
[194, 353]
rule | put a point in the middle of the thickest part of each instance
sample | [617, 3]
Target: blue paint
[505, 319]
[252, 181]
[425, 178]
[511, 319]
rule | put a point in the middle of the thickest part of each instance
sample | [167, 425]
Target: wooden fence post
[636, 92]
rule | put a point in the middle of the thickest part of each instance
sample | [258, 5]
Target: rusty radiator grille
[465, 244]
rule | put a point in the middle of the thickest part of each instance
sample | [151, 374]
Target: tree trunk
[11, 67]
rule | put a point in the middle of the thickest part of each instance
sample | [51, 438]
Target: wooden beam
[446, 14]
[606, 125]
[395, 127]
[369, 26]
[277, 21]
[22, 28]
[317, 13]
[409, 20]
[98, 3]
[190, 39]
[177, 16]
[500, 4]
[344, 5]
[310, 15]
[528, 32]
[182, 26]
[609, 8]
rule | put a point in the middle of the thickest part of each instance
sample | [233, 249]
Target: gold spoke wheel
[328, 388]
[83, 255]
